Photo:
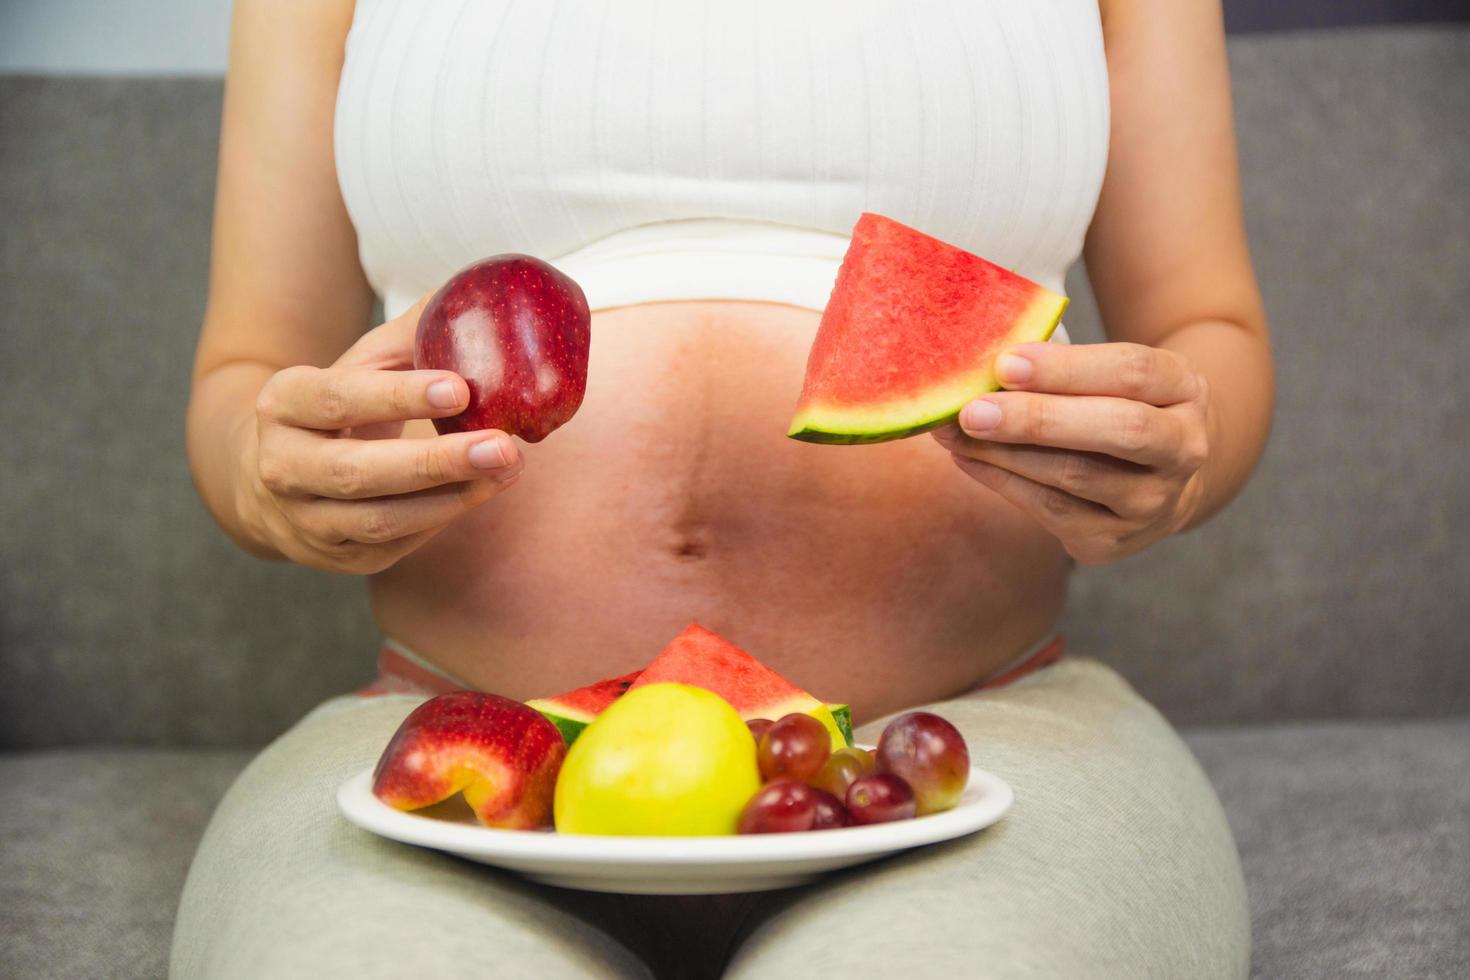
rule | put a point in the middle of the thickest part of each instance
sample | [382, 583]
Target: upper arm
[285, 285]
[1167, 245]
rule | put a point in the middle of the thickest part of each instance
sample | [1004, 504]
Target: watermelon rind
[842, 716]
[571, 715]
[936, 405]
[570, 728]
[834, 731]
[573, 711]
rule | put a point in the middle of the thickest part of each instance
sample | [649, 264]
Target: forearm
[1235, 361]
[220, 434]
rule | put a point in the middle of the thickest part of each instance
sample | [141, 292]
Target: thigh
[1115, 861]
[283, 887]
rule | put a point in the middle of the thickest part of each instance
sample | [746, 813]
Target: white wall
[114, 36]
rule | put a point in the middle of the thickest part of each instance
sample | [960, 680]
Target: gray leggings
[1114, 862]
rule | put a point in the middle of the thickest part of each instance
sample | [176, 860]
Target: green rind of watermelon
[824, 438]
[834, 426]
[573, 711]
[842, 714]
[570, 728]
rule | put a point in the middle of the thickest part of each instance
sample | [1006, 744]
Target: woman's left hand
[1102, 444]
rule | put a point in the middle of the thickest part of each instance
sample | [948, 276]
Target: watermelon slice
[574, 711]
[910, 335]
[704, 659]
[700, 657]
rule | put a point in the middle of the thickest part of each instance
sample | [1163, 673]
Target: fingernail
[1013, 369]
[980, 416]
[443, 394]
[491, 453]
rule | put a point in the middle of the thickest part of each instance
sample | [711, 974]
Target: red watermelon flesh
[910, 335]
[574, 711]
[704, 659]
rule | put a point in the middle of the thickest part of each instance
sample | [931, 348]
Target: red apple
[501, 754]
[517, 330]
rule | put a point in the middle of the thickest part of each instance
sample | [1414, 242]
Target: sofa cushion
[94, 846]
[1356, 844]
[1355, 839]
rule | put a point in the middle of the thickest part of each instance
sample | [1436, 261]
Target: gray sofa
[1312, 641]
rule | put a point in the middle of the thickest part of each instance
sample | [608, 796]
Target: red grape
[780, 807]
[879, 798]
[841, 768]
[794, 748]
[759, 727]
[930, 755]
[830, 812]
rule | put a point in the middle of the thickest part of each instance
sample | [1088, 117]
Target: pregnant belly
[877, 574]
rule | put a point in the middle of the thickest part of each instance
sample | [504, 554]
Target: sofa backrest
[125, 613]
[1337, 585]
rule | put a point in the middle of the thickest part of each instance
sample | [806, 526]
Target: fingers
[1133, 371]
[364, 534]
[1125, 489]
[335, 398]
[1118, 427]
[298, 463]
[364, 559]
[388, 519]
[1060, 513]
[1098, 444]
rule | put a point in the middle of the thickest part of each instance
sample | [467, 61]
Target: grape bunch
[920, 767]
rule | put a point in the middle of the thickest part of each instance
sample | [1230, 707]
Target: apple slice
[501, 754]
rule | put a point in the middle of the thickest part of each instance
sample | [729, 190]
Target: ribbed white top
[688, 149]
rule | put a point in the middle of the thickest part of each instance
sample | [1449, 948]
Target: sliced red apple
[502, 755]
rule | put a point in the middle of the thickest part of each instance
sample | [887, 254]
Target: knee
[278, 823]
[1115, 861]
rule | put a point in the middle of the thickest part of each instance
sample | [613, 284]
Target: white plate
[674, 865]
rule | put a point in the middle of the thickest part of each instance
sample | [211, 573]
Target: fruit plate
[673, 865]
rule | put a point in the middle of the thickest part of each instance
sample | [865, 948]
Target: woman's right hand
[326, 480]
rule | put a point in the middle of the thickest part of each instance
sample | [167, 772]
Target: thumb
[388, 347]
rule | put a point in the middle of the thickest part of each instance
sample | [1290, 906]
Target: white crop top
[698, 149]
